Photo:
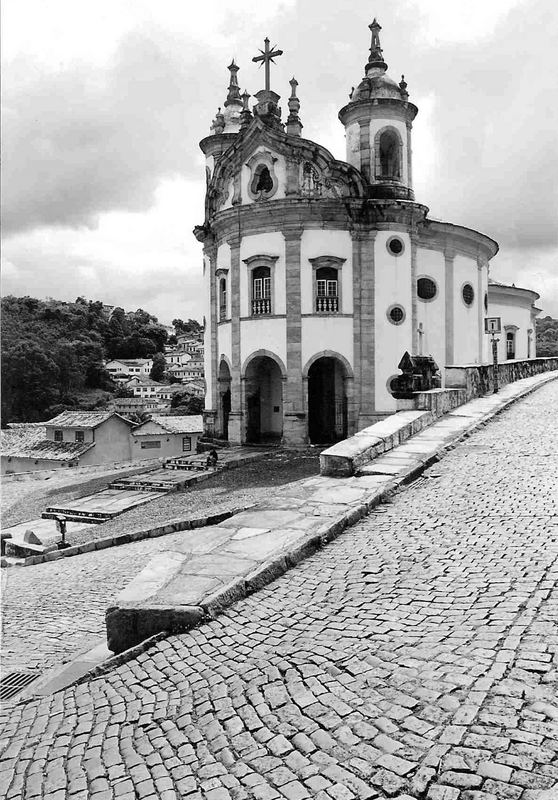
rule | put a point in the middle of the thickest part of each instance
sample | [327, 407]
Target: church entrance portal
[327, 401]
[264, 401]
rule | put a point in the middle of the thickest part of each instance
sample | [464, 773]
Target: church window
[468, 294]
[261, 291]
[395, 246]
[396, 314]
[327, 298]
[426, 289]
[222, 299]
[389, 155]
[510, 344]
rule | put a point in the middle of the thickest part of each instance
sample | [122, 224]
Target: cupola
[378, 122]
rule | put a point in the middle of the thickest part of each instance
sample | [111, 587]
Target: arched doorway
[327, 401]
[264, 400]
[224, 384]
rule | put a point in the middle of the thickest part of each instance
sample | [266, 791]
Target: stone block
[127, 627]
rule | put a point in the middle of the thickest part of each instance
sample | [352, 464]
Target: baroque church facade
[319, 274]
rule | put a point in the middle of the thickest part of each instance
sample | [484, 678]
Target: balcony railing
[260, 307]
[327, 305]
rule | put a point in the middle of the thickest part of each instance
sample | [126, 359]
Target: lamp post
[493, 325]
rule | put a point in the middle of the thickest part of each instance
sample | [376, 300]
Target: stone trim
[449, 257]
[262, 316]
[263, 158]
[514, 328]
[335, 263]
[364, 331]
[235, 416]
[349, 373]
[414, 297]
[261, 260]
[427, 299]
[260, 354]
[409, 126]
[294, 423]
[328, 314]
[390, 308]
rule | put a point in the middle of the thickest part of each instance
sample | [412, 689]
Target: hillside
[53, 352]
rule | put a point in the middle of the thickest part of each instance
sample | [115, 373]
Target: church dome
[377, 84]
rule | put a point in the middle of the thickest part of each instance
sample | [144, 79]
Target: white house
[166, 436]
[123, 368]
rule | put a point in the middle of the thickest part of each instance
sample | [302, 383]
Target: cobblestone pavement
[414, 657]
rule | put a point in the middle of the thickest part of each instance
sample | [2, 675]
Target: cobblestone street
[414, 657]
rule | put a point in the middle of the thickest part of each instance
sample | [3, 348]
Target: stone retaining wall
[478, 379]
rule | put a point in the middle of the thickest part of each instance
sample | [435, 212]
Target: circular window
[395, 246]
[468, 294]
[396, 314]
[426, 289]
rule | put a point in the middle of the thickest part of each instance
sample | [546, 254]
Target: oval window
[468, 294]
[396, 314]
[395, 246]
[426, 289]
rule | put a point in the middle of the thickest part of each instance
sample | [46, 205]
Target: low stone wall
[478, 379]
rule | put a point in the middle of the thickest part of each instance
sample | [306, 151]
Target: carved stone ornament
[263, 182]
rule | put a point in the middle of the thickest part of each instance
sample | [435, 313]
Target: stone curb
[126, 538]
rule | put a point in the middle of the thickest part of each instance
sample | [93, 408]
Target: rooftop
[31, 443]
[192, 423]
[82, 419]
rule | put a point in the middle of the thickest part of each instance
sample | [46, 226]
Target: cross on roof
[267, 55]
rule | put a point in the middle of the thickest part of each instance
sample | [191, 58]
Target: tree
[547, 337]
[186, 403]
[159, 367]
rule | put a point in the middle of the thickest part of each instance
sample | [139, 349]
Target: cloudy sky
[104, 104]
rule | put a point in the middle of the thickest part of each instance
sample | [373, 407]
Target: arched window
[222, 298]
[261, 291]
[389, 155]
[262, 181]
[327, 291]
[510, 344]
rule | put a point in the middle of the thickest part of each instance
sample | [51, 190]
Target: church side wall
[512, 314]
[392, 287]
[327, 333]
[466, 318]
[208, 333]
[431, 314]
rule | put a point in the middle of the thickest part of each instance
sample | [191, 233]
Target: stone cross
[267, 56]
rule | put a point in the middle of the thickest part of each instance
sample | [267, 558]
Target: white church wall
[315, 243]
[352, 141]
[259, 333]
[327, 333]
[392, 287]
[512, 314]
[270, 244]
[224, 342]
[432, 313]
[280, 169]
[466, 318]
[376, 124]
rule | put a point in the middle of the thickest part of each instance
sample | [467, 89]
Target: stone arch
[349, 374]
[260, 354]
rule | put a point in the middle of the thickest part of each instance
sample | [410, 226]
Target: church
[320, 274]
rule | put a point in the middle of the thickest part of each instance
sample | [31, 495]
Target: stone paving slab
[108, 503]
[196, 584]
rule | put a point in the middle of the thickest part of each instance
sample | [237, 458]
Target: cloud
[86, 141]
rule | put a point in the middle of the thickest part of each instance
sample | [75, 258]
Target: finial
[218, 125]
[245, 114]
[233, 96]
[376, 58]
[294, 125]
[403, 87]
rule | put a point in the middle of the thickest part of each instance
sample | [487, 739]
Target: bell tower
[378, 122]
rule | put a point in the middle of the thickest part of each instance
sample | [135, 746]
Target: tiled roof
[34, 445]
[192, 423]
[143, 380]
[81, 419]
